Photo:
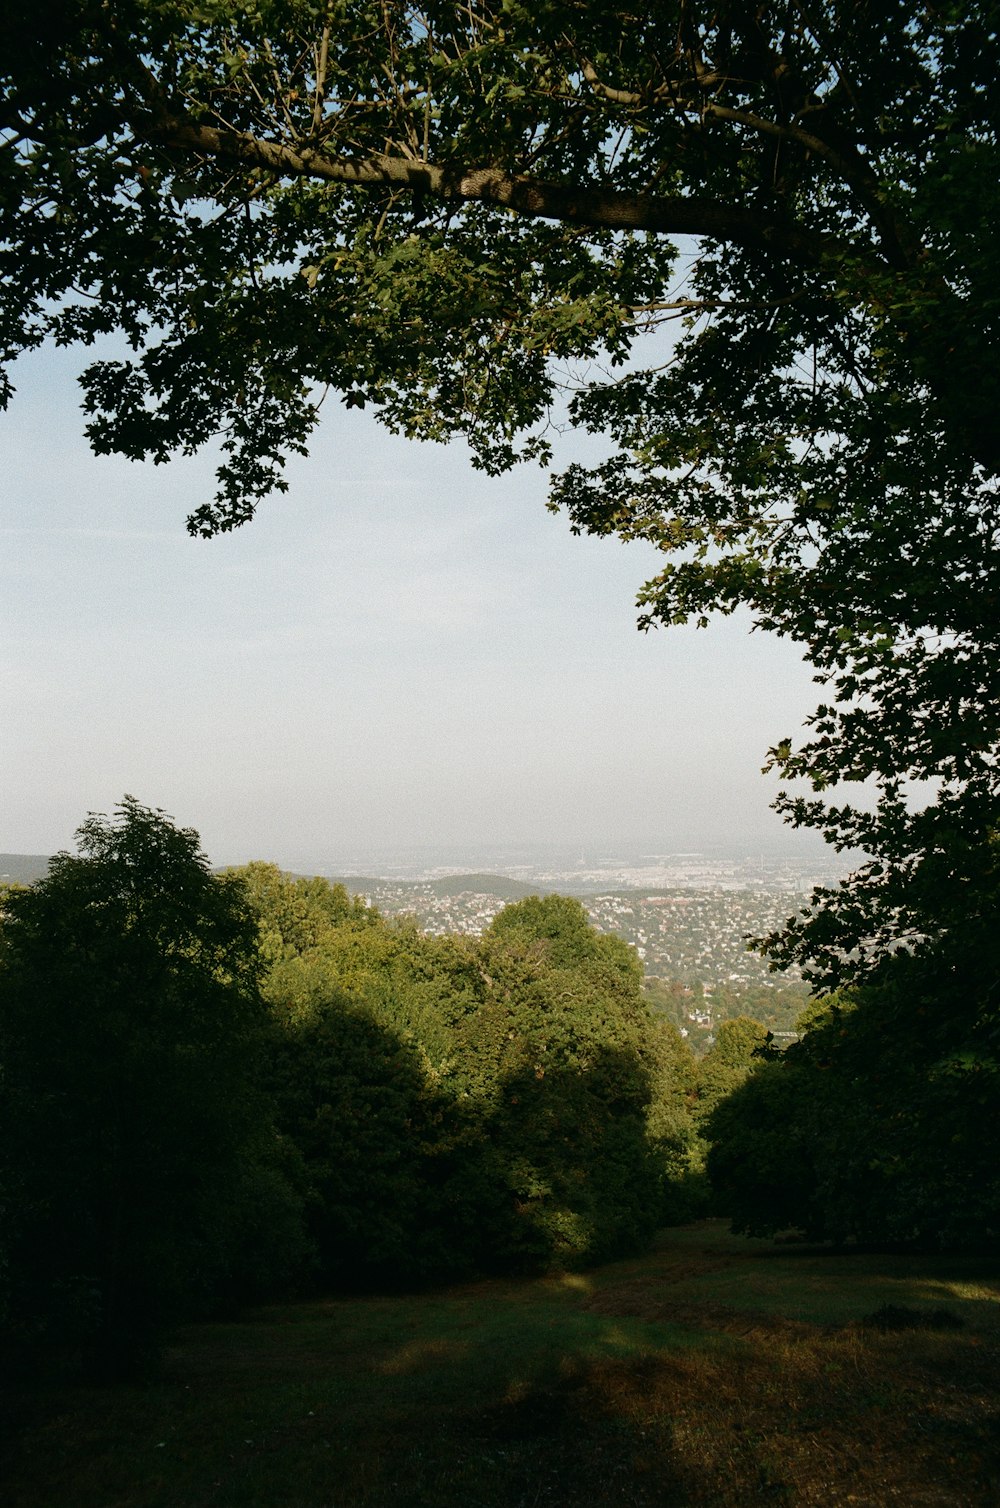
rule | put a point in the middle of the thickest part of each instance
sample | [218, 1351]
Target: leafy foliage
[217, 1087]
[463, 1106]
[729, 1061]
[136, 1144]
[878, 1124]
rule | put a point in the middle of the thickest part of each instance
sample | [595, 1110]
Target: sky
[398, 653]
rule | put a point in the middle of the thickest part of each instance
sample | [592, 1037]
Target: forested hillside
[224, 1087]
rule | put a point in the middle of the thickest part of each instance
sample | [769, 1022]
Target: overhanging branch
[598, 208]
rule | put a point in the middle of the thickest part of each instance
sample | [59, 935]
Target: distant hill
[354, 884]
[23, 868]
[447, 885]
[482, 884]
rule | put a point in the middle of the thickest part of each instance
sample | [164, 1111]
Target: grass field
[712, 1371]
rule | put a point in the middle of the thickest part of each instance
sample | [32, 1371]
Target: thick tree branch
[599, 208]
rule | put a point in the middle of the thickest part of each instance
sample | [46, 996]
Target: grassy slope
[713, 1371]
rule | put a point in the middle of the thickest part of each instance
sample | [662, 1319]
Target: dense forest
[220, 1088]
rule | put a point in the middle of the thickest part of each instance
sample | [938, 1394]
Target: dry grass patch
[821, 1419]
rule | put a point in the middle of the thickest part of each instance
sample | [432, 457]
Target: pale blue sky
[399, 651]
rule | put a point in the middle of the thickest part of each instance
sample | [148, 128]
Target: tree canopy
[462, 1105]
[216, 1088]
[753, 247]
[879, 1123]
[135, 1139]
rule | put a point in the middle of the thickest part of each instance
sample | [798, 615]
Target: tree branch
[321, 67]
[600, 208]
[852, 169]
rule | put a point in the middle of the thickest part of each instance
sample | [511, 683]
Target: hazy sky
[400, 651]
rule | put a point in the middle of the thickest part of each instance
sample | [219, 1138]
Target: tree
[879, 1123]
[437, 210]
[463, 1105]
[729, 1061]
[359, 1054]
[589, 1121]
[136, 1144]
[358, 1102]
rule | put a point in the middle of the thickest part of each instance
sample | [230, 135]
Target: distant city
[688, 914]
[586, 871]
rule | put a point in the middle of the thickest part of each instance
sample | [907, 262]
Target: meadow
[713, 1370]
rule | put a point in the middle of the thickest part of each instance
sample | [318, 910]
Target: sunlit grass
[712, 1371]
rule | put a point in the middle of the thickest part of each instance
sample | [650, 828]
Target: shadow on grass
[632, 1385]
